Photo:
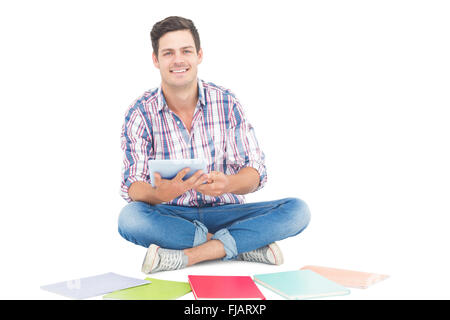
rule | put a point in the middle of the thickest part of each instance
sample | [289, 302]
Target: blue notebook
[300, 284]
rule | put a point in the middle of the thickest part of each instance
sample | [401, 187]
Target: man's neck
[181, 100]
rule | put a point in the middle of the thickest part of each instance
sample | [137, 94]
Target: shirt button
[178, 122]
[199, 197]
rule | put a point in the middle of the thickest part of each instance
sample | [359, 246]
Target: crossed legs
[211, 233]
[210, 250]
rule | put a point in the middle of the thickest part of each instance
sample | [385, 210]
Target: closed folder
[224, 287]
[300, 284]
[348, 278]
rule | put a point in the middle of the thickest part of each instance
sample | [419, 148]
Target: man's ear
[200, 55]
[155, 60]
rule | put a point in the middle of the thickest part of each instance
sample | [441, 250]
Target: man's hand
[168, 190]
[218, 183]
[245, 181]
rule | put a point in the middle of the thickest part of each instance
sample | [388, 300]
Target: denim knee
[299, 215]
[130, 221]
[128, 217]
[144, 224]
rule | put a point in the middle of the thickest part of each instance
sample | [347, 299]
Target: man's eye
[187, 51]
[167, 53]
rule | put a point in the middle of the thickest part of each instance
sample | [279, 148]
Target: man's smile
[179, 70]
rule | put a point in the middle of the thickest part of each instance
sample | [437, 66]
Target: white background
[349, 100]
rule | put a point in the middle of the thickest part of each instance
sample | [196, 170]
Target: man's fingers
[180, 175]
[208, 189]
[201, 185]
[202, 188]
[157, 178]
[197, 178]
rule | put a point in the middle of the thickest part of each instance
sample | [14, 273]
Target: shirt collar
[201, 96]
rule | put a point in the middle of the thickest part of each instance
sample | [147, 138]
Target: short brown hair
[170, 24]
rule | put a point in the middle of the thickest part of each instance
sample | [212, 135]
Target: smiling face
[178, 59]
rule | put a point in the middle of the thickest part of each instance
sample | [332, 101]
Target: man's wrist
[143, 191]
[230, 183]
[245, 181]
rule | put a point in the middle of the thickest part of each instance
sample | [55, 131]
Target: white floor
[412, 274]
[81, 240]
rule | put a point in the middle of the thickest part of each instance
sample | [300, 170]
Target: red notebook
[224, 287]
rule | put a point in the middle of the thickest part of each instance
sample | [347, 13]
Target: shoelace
[169, 260]
[258, 255]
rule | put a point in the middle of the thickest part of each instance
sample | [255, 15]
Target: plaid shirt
[220, 134]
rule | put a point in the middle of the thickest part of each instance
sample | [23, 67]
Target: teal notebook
[300, 284]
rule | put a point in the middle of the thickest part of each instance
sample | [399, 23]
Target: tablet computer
[168, 169]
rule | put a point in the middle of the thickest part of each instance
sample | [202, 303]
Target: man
[185, 221]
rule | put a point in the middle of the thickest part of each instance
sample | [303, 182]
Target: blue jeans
[240, 227]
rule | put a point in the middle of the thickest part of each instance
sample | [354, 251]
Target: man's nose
[178, 58]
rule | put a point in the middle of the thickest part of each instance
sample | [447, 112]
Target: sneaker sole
[278, 255]
[150, 258]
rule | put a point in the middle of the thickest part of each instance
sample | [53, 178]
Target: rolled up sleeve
[242, 146]
[136, 143]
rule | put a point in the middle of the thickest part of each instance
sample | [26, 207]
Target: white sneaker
[270, 254]
[159, 259]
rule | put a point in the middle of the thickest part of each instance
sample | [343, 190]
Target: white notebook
[93, 286]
